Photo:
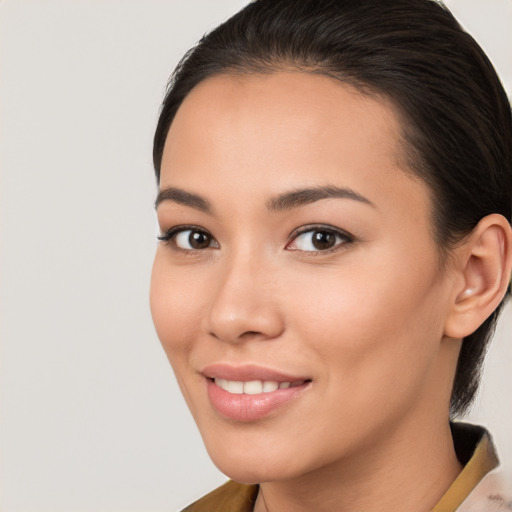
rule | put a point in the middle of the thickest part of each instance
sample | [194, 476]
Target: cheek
[373, 323]
[175, 307]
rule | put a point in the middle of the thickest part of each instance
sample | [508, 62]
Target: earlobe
[484, 262]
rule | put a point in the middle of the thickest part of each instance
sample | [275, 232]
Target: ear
[483, 264]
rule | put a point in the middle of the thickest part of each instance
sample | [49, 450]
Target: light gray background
[90, 416]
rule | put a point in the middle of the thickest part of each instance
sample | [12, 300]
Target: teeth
[254, 387]
[235, 387]
[269, 386]
[222, 383]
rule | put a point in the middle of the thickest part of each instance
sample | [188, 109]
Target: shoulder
[231, 496]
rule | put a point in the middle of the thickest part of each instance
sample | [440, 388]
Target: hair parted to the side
[456, 118]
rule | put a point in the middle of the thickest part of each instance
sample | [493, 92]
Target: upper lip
[248, 372]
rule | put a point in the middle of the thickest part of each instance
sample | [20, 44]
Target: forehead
[265, 133]
[298, 103]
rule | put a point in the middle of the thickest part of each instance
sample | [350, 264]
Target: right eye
[189, 239]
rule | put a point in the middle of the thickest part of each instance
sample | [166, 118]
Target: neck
[408, 473]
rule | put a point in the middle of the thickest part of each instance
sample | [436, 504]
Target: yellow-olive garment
[478, 488]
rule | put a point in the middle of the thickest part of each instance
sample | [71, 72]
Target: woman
[334, 202]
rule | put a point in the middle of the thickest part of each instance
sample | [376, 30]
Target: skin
[366, 321]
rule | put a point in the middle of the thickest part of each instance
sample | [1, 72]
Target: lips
[249, 393]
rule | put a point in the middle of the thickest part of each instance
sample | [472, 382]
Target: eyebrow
[286, 201]
[301, 197]
[185, 198]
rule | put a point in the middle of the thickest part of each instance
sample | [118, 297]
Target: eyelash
[341, 237]
[169, 236]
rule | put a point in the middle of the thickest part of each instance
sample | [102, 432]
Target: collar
[476, 452]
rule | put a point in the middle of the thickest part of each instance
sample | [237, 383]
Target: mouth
[250, 393]
[255, 387]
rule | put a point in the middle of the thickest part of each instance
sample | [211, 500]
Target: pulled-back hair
[456, 118]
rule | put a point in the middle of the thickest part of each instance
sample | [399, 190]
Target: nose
[244, 303]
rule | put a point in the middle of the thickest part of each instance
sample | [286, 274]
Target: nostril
[250, 334]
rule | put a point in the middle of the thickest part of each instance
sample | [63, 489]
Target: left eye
[318, 239]
[189, 239]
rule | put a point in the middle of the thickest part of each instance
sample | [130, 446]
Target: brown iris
[199, 239]
[323, 240]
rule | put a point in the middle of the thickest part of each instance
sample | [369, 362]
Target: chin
[254, 464]
[248, 477]
[243, 466]
[254, 473]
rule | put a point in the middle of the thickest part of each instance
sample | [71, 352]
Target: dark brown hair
[456, 117]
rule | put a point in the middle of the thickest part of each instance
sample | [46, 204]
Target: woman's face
[298, 294]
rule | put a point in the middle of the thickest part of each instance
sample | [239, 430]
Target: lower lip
[244, 407]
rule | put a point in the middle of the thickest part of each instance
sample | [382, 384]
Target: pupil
[199, 240]
[323, 239]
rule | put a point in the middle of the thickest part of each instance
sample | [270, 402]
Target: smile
[250, 393]
[254, 387]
